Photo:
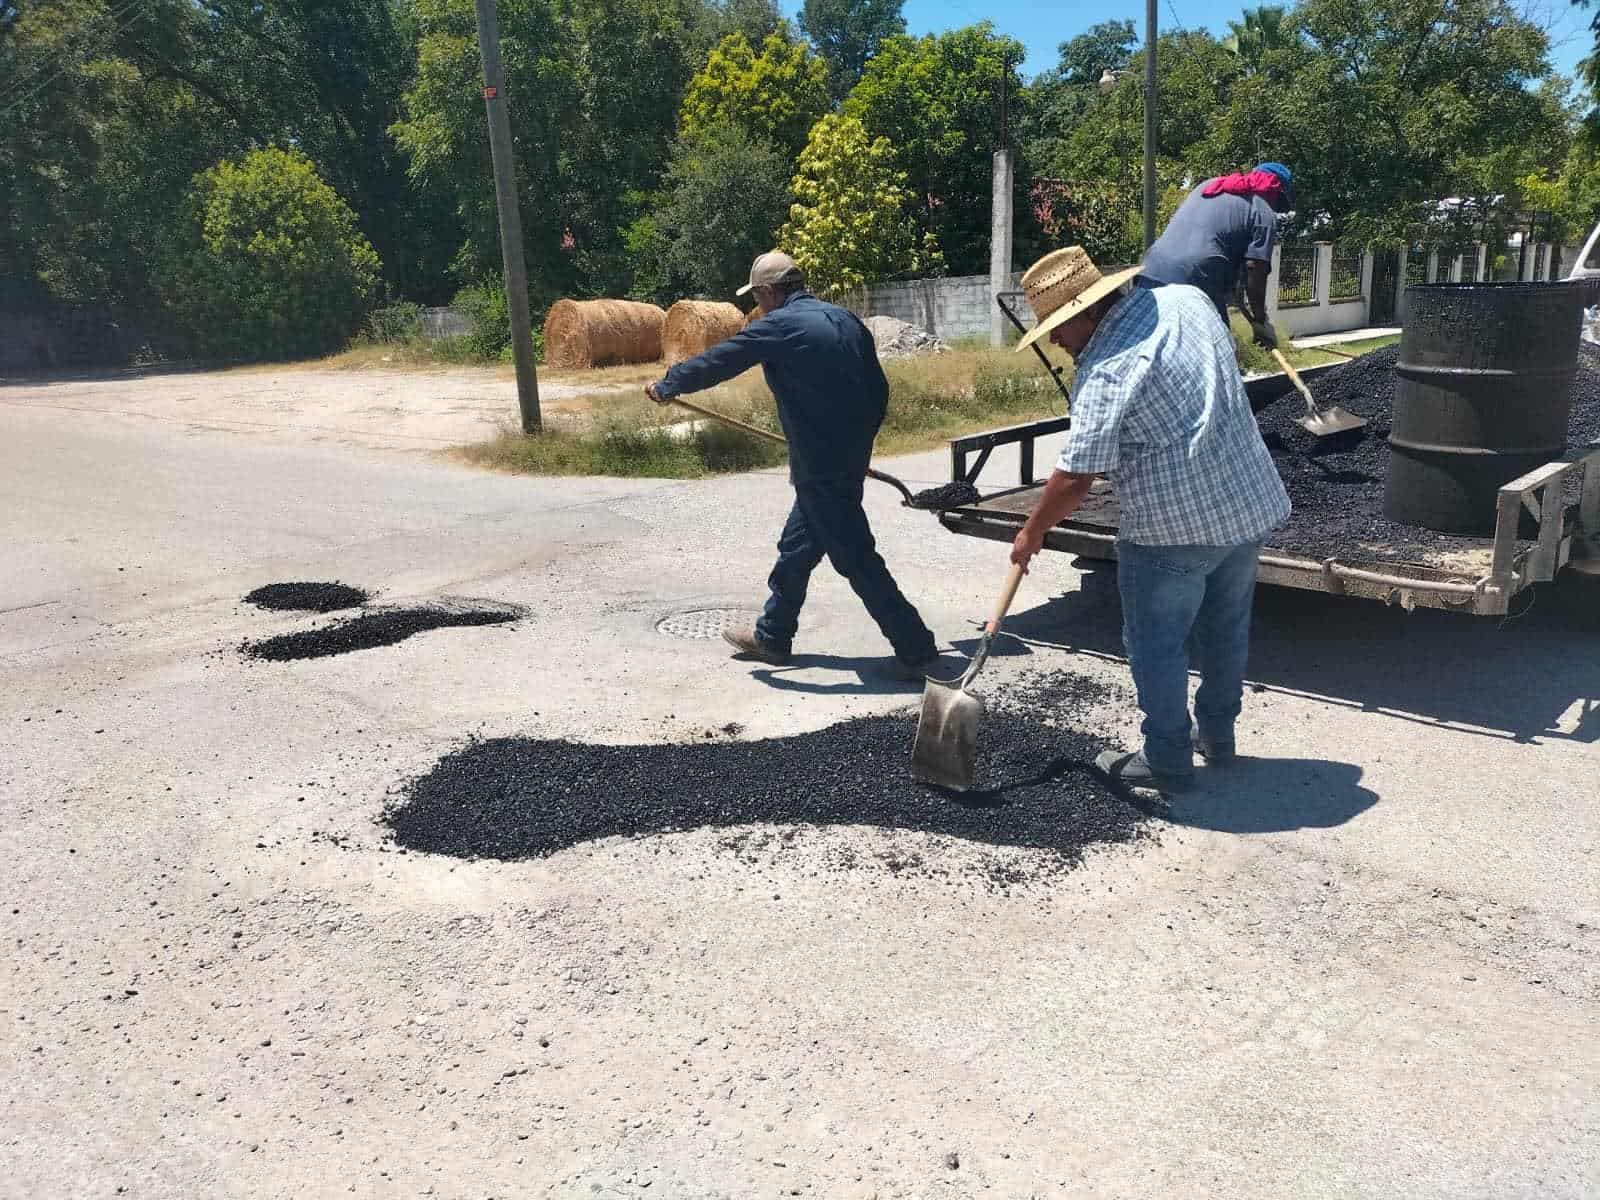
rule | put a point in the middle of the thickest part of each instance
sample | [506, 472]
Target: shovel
[933, 500]
[946, 748]
[1321, 422]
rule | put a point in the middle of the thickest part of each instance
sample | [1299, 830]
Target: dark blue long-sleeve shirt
[822, 366]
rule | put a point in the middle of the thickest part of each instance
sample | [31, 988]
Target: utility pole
[1149, 122]
[505, 195]
[1000, 217]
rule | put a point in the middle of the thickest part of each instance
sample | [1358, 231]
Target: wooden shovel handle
[1299, 384]
[1007, 595]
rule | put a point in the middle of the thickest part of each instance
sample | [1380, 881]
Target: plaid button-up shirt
[1158, 408]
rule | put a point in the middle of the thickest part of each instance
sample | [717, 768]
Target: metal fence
[1297, 276]
[1416, 266]
[1344, 273]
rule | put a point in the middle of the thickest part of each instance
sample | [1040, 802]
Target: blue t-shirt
[1209, 239]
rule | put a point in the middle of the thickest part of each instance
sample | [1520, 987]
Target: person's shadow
[873, 676]
[1264, 795]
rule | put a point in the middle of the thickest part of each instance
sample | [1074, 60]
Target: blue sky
[1042, 27]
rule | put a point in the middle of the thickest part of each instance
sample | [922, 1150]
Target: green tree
[724, 196]
[1062, 97]
[847, 34]
[755, 19]
[1385, 107]
[936, 99]
[593, 91]
[849, 225]
[1258, 32]
[776, 95]
[267, 262]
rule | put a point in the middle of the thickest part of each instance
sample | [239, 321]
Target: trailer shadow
[1528, 677]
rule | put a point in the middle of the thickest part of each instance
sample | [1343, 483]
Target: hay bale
[579, 334]
[694, 326]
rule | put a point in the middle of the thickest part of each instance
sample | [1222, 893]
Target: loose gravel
[519, 798]
[382, 627]
[307, 597]
[1336, 484]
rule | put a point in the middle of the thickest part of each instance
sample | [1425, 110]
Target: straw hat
[1061, 285]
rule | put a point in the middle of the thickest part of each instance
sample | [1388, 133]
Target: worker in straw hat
[1223, 230]
[1158, 408]
[822, 366]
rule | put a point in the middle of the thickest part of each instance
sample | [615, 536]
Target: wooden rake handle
[872, 473]
[716, 416]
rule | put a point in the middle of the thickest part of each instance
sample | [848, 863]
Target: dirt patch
[381, 627]
[1336, 484]
[519, 798]
[307, 597]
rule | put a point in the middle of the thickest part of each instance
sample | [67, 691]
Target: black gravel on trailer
[1336, 484]
[946, 495]
[307, 597]
[518, 798]
[383, 627]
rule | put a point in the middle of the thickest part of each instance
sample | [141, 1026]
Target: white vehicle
[1588, 264]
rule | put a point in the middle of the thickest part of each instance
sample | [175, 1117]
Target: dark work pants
[827, 519]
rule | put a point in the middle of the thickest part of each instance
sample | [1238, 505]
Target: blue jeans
[1172, 597]
[827, 519]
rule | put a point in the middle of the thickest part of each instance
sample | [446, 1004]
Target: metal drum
[1482, 395]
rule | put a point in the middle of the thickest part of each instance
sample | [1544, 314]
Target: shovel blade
[945, 751]
[1326, 422]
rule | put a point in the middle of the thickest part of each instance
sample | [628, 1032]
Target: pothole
[704, 624]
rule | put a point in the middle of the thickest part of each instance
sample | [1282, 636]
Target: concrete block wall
[951, 308]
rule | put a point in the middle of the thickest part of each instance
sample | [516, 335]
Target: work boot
[1132, 770]
[743, 639]
[1215, 751]
[913, 672]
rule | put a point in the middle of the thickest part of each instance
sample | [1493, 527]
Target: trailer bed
[1475, 575]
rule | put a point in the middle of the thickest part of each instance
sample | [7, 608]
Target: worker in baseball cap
[1224, 228]
[822, 366]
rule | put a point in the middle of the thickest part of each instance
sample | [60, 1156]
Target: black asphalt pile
[307, 597]
[381, 627]
[1336, 484]
[947, 495]
[518, 798]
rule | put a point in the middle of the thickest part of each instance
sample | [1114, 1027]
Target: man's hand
[1028, 543]
[653, 391]
[1265, 334]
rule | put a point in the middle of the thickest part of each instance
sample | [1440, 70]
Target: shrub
[395, 322]
[266, 261]
[484, 306]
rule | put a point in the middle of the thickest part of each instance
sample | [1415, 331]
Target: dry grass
[931, 398]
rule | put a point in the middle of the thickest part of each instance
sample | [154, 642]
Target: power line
[27, 88]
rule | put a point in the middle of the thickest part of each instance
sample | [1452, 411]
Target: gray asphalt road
[1361, 964]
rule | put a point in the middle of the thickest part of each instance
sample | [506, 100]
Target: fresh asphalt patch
[374, 628]
[516, 798]
[307, 597]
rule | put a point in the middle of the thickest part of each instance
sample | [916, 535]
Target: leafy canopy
[267, 262]
[849, 225]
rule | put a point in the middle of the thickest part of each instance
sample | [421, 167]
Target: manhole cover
[704, 623]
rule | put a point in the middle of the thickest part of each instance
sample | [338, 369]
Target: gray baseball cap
[772, 267]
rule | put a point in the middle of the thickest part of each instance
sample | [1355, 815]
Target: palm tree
[1264, 28]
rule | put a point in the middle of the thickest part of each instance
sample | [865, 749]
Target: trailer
[1560, 501]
